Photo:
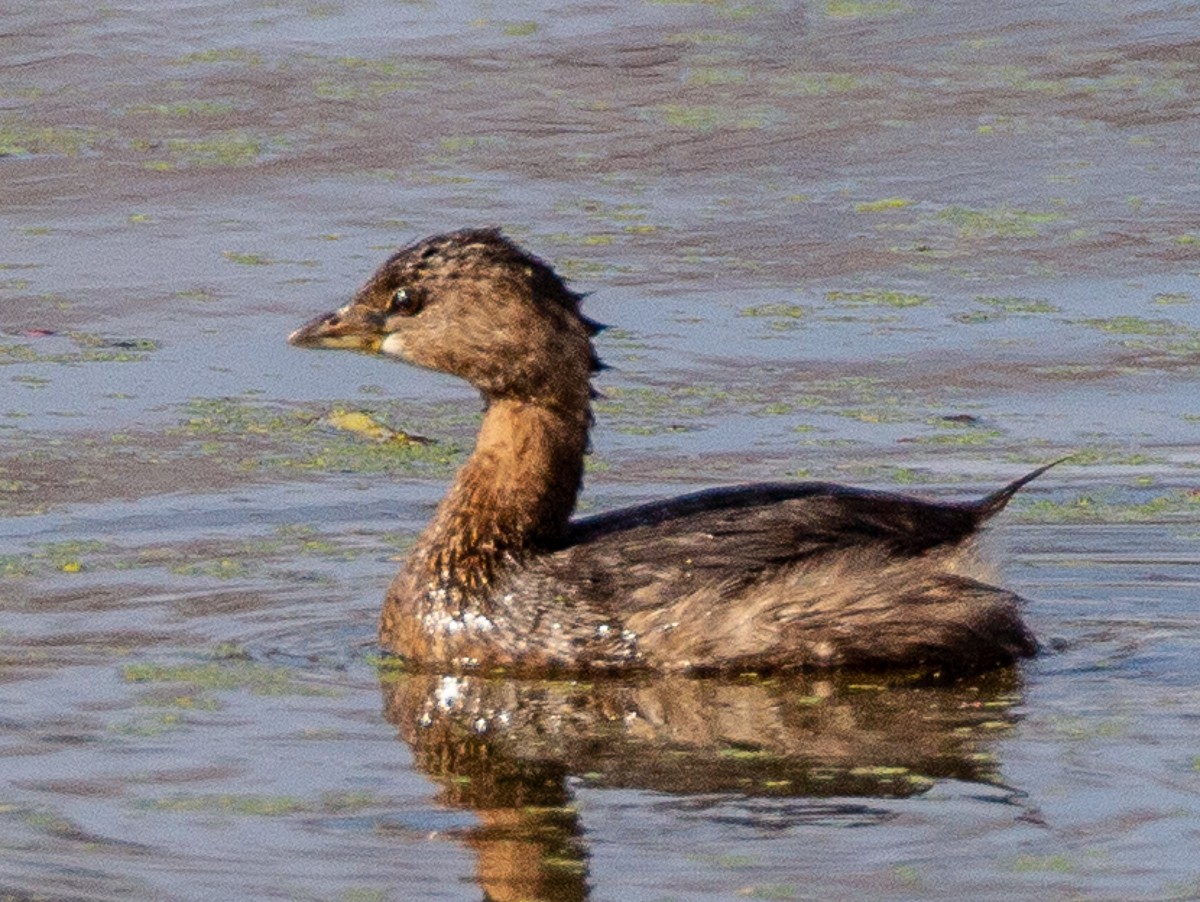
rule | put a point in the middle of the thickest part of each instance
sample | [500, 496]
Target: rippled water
[900, 244]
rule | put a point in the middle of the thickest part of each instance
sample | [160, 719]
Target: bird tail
[995, 502]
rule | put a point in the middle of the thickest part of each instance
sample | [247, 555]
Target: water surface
[901, 244]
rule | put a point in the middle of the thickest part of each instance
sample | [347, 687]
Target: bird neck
[514, 494]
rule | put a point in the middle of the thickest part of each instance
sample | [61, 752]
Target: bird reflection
[512, 751]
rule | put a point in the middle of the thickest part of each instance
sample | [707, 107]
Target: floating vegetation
[457, 145]
[893, 774]
[263, 805]
[715, 75]
[399, 68]
[1016, 304]
[1134, 325]
[18, 138]
[971, 437]
[298, 439]
[625, 214]
[1002, 222]
[1158, 342]
[182, 109]
[1102, 508]
[223, 675]
[873, 297]
[654, 403]
[213, 559]
[816, 84]
[520, 29]
[367, 426]
[65, 557]
[1173, 297]
[973, 317]
[772, 891]
[369, 78]
[787, 311]
[196, 294]
[884, 205]
[886, 412]
[243, 258]
[234, 148]
[865, 9]
[1111, 457]
[708, 38]
[88, 348]
[1001, 307]
[220, 55]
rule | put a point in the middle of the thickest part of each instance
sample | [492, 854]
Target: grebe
[753, 577]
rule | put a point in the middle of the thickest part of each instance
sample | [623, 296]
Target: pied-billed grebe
[770, 576]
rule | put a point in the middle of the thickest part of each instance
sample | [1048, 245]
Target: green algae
[519, 29]
[184, 109]
[781, 318]
[1134, 325]
[1173, 297]
[864, 9]
[246, 804]
[600, 209]
[707, 117]
[1000, 222]
[257, 679]
[710, 38]
[221, 55]
[1017, 304]
[18, 138]
[640, 402]
[1157, 342]
[737, 753]
[771, 891]
[90, 348]
[247, 258]
[225, 441]
[883, 205]
[299, 439]
[726, 860]
[455, 146]
[359, 78]
[887, 412]
[1059, 864]
[187, 701]
[972, 438]
[788, 311]
[228, 149]
[818, 84]
[709, 76]
[874, 297]
[907, 876]
[1103, 507]
[196, 294]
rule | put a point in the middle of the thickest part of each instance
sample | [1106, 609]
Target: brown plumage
[765, 576]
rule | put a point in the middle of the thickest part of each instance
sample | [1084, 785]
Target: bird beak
[352, 328]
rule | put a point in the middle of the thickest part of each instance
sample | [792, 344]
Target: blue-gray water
[901, 244]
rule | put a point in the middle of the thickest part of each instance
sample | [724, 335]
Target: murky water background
[904, 244]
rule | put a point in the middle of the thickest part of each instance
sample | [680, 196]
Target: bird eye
[403, 302]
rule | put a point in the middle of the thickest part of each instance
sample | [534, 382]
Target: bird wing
[730, 537]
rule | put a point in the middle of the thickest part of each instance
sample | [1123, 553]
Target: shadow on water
[813, 749]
